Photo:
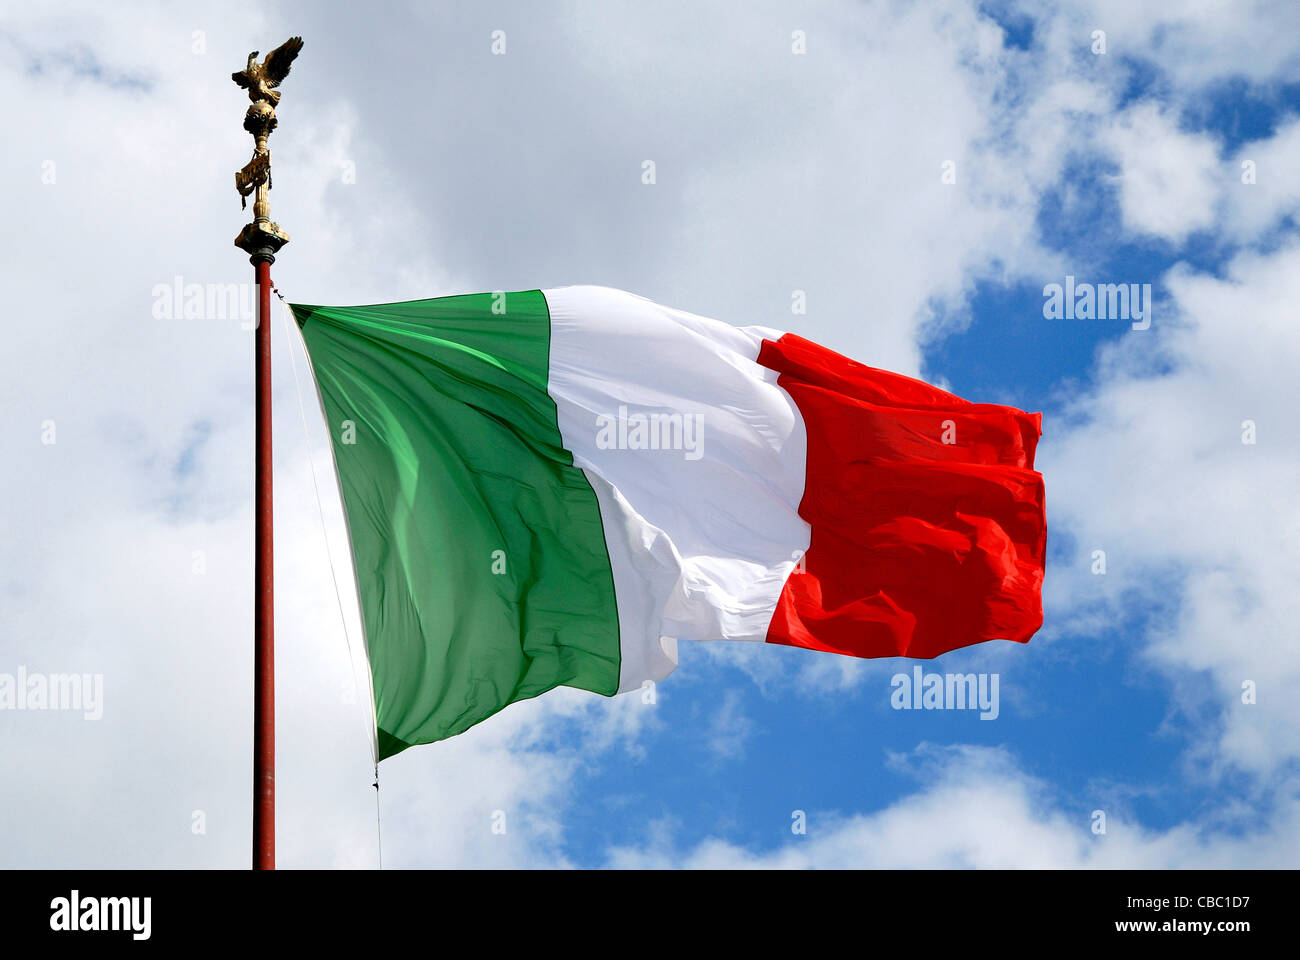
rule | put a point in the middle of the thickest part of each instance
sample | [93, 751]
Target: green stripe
[479, 548]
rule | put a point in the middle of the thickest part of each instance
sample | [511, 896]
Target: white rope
[290, 324]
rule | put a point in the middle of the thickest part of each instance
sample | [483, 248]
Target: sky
[922, 172]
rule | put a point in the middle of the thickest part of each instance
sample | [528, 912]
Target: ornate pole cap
[262, 238]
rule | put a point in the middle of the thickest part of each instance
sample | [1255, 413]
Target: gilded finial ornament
[261, 239]
[261, 79]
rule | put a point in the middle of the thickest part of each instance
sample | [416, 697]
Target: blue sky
[411, 175]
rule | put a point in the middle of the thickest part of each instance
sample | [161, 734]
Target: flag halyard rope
[289, 323]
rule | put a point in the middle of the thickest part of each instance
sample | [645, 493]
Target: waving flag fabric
[555, 486]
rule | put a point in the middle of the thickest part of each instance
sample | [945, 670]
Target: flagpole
[263, 586]
[261, 240]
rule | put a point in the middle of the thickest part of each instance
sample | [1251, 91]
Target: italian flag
[554, 487]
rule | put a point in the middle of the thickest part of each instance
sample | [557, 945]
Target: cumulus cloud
[1198, 43]
[1261, 193]
[1169, 181]
[978, 809]
[1182, 469]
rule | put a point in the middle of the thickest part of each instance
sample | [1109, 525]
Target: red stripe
[919, 546]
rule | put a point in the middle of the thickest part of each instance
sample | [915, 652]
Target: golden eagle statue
[261, 79]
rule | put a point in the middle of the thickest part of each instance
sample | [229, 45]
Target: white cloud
[1158, 476]
[978, 809]
[1197, 43]
[730, 727]
[1169, 181]
[1253, 209]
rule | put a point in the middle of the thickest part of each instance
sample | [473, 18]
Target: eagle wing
[241, 78]
[276, 65]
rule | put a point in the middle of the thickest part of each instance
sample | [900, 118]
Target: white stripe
[701, 536]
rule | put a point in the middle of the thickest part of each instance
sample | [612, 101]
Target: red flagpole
[261, 240]
[263, 588]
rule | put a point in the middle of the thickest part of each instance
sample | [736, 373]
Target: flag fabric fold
[553, 487]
